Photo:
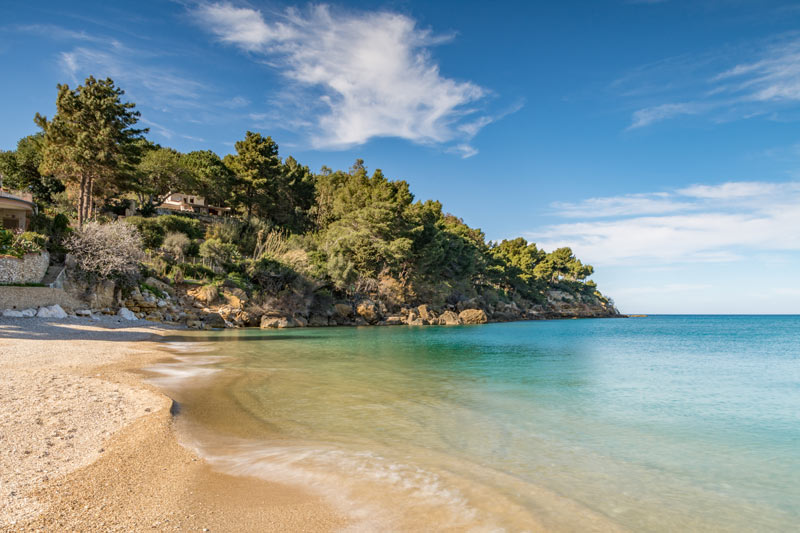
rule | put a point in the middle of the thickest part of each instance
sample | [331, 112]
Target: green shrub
[190, 227]
[219, 253]
[176, 244]
[18, 246]
[151, 231]
[33, 237]
[198, 272]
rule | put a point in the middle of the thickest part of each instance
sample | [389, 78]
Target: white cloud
[616, 206]
[702, 223]
[363, 75]
[162, 86]
[649, 115]
[236, 102]
[767, 81]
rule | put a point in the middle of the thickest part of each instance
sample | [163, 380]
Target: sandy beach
[86, 445]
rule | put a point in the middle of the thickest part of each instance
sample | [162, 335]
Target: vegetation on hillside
[293, 235]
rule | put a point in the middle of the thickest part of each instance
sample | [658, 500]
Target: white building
[16, 211]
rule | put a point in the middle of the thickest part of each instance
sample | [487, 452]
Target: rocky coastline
[214, 307]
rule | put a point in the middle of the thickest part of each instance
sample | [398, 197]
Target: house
[191, 203]
[16, 211]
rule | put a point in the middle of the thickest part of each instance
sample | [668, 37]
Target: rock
[12, 313]
[301, 321]
[205, 294]
[53, 311]
[280, 322]
[235, 297]
[425, 313]
[247, 319]
[360, 321]
[473, 316]
[161, 303]
[193, 324]
[317, 320]
[417, 322]
[126, 313]
[449, 318]
[160, 285]
[83, 312]
[28, 313]
[213, 320]
[367, 310]
[343, 310]
[393, 321]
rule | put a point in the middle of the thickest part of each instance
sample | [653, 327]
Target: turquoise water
[666, 423]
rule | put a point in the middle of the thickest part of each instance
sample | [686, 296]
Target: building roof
[8, 196]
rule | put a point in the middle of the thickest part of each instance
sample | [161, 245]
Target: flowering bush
[107, 250]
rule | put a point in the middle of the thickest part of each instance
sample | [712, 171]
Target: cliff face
[565, 305]
[215, 306]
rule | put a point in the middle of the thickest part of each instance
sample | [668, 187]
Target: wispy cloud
[362, 74]
[765, 80]
[649, 115]
[701, 223]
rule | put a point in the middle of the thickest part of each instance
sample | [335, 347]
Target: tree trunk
[90, 197]
[81, 200]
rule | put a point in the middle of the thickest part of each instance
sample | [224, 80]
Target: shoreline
[89, 445]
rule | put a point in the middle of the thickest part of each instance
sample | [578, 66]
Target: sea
[658, 423]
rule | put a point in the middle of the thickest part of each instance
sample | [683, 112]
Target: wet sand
[86, 445]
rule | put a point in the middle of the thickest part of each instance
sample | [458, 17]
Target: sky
[658, 139]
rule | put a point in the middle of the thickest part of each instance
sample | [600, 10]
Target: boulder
[279, 322]
[343, 310]
[393, 321]
[417, 322]
[12, 313]
[473, 316]
[247, 319]
[28, 313]
[160, 285]
[367, 310]
[125, 313]
[193, 324]
[425, 313]
[53, 311]
[449, 318]
[301, 321]
[235, 297]
[83, 312]
[317, 320]
[213, 320]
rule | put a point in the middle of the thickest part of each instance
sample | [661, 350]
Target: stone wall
[33, 297]
[30, 269]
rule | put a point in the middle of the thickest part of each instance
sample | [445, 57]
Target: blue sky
[659, 139]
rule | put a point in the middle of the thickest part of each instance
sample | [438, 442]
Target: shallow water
[649, 424]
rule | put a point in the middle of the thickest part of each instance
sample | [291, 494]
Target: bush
[18, 246]
[36, 238]
[198, 272]
[152, 233]
[219, 253]
[107, 250]
[176, 245]
[190, 227]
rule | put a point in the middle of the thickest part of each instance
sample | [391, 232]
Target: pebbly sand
[85, 445]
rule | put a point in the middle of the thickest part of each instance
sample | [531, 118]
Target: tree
[210, 177]
[258, 170]
[562, 264]
[20, 170]
[160, 172]
[91, 138]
